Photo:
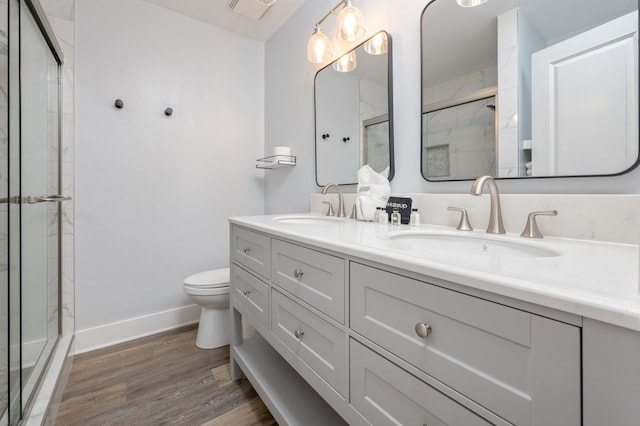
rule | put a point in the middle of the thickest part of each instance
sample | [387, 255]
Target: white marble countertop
[590, 279]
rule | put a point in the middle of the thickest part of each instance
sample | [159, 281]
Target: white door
[584, 102]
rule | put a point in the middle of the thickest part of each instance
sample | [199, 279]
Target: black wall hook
[168, 112]
[118, 104]
[325, 136]
[346, 139]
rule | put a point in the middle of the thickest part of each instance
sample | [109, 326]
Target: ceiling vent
[254, 9]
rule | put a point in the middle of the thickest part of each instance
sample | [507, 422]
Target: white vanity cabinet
[252, 294]
[318, 343]
[252, 250]
[313, 276]
[386, 394]
[521, 366]
[356, 341]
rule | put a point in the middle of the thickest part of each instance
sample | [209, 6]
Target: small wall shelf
[276, 161]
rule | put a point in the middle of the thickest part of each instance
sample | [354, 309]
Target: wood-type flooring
[162, 379]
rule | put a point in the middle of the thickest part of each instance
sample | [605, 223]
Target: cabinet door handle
[246, 250]
[298, 273]
[423, 330]
[298, 333]
[245, 293]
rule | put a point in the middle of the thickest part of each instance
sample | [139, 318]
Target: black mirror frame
[390, 109]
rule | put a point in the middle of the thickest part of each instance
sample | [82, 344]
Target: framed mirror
[353, 113]
[529, 88]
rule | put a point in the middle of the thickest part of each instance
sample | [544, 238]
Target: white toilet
[210, 289]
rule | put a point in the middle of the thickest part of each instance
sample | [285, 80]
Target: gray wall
[289, 111]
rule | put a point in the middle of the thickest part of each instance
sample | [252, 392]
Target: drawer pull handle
[423, 330]
[298, 333]
[298, 273]
[246, 292]
[246, 250]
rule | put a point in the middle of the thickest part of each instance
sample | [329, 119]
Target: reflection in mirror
[353, 114]
[530, 88]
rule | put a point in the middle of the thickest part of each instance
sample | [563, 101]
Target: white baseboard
[122, 331]
[31, 352]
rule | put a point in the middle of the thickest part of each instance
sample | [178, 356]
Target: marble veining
[594, 217]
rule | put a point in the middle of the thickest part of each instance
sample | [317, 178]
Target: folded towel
[373, 191]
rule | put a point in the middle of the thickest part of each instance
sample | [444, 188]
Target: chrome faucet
[341, 212]
[495, 215]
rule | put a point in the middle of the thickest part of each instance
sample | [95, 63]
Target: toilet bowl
[210, 290]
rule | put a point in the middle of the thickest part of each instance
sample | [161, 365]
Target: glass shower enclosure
[30, 212]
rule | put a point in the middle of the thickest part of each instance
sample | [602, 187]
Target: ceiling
[217, 13]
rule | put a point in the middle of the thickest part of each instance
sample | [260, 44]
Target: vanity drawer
[313, 276]
[516, 364]
[383, 393]
[321, 345]
[252, 294]
[251, 249]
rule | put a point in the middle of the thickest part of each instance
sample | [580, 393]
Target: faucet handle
[531, 230]
[354, 212]
[464, 224]
[330, 211]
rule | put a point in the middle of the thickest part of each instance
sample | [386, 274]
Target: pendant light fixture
[470, 3]
[319, 47]
[349, 27]
[377, 45]
[346, 63]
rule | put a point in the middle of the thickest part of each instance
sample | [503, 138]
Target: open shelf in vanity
[288, 396]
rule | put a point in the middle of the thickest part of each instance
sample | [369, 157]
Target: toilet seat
[209, 279]
[206, 290]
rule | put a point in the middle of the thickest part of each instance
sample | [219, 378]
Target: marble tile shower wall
[461, 124]
[61, 16]
[508, 93]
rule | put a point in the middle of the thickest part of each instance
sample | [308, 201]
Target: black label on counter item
[403, 205]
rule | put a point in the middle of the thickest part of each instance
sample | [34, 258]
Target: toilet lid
[211, 278]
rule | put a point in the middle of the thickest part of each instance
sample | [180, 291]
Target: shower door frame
[20, 404]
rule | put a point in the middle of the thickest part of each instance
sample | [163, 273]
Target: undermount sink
[308, 219]
[479, 244]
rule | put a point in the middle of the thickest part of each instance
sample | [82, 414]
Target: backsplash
[601, 217]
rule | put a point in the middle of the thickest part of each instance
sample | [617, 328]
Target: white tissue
[282, 150]
[373, 191]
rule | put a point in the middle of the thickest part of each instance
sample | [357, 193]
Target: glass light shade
[377, 45]
[350, 23]
[470, 3]
[346, 63]
[319, 47]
